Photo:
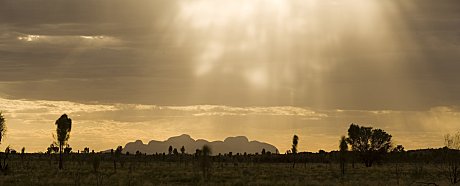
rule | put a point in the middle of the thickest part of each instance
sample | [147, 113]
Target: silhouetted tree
[23, 153]
[116, 157]
[295, 142]
[263, 151]
[451, 168]
[397, 154]
[182, 157]
[86, 150]
[175, 152]
[182, 150]
[52, 149]
[343, 151]
[96, 162]
[4, 166]
[67, 149]
[206, 160]
[2, 126]
[64, 125]
[197, 152]
[370, 143]
[322, 156]
[398, 148]
[170, 149]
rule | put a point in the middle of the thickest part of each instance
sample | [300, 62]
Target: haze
[265, 69]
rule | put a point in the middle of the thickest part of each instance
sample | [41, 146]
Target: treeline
[411, 156]
[302, 159]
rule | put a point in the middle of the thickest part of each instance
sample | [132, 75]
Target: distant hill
[239, 144]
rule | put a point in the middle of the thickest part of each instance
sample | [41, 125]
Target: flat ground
[45, 172]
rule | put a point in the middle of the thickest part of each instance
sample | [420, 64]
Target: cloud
[219, 110]
[31, 122]
[53, 107]
[82, 41]
[238, 53]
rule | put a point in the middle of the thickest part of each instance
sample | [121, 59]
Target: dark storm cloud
[148, 52]
[131, 43]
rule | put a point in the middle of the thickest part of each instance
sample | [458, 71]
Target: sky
[265, 69]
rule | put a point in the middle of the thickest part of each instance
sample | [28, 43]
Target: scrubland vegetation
[311, 169]
[366, 156]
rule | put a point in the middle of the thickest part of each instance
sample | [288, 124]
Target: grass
[41, 171]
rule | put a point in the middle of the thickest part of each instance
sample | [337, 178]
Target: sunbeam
[292, 47]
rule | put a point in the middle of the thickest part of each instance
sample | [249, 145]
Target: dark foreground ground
[43, 170]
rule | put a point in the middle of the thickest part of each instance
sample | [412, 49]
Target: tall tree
[64, 125]
[116, 157]
[4, 165]
[182, 150]
[370, 144]
[2, 126]
[343, 151]
[170, 150]
[295, 142]
[451, 158]
[206, 160]
[182, 157]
